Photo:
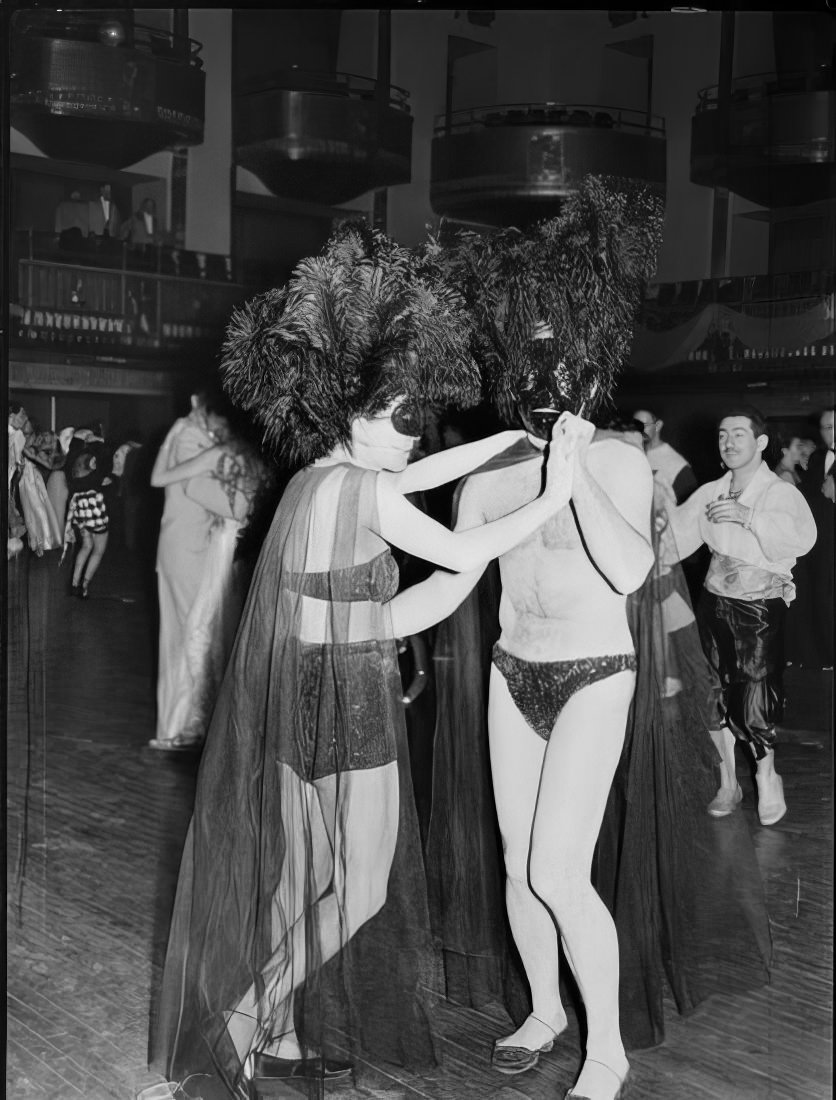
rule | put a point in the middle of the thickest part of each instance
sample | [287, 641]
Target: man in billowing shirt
[756, 526]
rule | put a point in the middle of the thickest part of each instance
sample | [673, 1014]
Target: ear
[194, 400]
[658, 426]
[762, 442]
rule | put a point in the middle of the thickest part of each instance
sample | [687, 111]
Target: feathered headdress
[361, 323]
[578, 277]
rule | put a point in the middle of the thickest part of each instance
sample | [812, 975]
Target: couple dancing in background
[301, 929]
[211, 480]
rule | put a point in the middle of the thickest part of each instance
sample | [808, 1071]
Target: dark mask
[408, 419]
[549, 388]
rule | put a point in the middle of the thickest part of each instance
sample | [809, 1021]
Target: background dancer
[210, 480]
[755, 525]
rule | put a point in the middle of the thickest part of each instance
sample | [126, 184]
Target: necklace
[734, 493]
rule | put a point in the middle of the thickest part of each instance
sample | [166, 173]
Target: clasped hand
[570, 439]
[726, 510]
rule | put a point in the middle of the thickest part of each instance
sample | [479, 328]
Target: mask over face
[550, 387]
[555, 306]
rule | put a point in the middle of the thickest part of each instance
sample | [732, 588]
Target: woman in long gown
[43, 530]
[210, 482]
[300, 929]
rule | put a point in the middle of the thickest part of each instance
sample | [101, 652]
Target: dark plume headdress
[581, 274]
[363, 322]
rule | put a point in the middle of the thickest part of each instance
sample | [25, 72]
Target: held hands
[570, 438]
[726, 510]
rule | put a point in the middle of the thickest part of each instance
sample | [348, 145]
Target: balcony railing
[109, 28]
[347, 85]
[755, 86]
[670, 304]
[99, 309]
[746, 323]
[550, 114]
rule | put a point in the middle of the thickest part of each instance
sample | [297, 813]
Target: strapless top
[374, 581]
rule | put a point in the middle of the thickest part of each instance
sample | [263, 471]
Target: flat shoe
[173, 744]
[771, 812]
[622, 1086]
[725, 802]
[269, 1067]
[518, 1059]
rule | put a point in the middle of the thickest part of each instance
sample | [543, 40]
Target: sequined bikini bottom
[541, 689]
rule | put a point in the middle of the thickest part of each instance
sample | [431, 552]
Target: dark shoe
[74, 590]
[517, 1059]
[83, 592]
[268, 1067]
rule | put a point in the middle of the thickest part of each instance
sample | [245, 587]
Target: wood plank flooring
[95, 826]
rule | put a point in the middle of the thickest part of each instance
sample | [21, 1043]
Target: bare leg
[353, 831]
[84, 552]
[94, 560]
[516, 762]
[578, 770]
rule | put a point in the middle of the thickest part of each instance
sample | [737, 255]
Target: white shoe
[725, 801]
[771, 804]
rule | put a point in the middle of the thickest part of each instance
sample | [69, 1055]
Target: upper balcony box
[514, 164]
[771, 141]
[87, 86]
[323, 137]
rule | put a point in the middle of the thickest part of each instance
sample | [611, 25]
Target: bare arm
[612, 494]
[202, 463]
[185, 446]
[450, 465]
[400, 524]
[432, 600]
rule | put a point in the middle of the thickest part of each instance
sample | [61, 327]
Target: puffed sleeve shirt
[753, 562]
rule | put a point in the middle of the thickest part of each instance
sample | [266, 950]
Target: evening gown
[300, 705]
[683, 888]
[200, 588]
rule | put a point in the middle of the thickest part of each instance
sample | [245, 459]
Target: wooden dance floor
[95, 826]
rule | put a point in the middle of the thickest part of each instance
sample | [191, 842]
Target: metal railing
[325, 83]
[110, 28]
[587, 115]
[756, 86]
[93, 309]
[116, 254]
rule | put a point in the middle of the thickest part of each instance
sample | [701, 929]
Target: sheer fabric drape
[304, 820]
[684, 888]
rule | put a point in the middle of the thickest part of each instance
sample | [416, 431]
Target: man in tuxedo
[105, 220]
[818, 487]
